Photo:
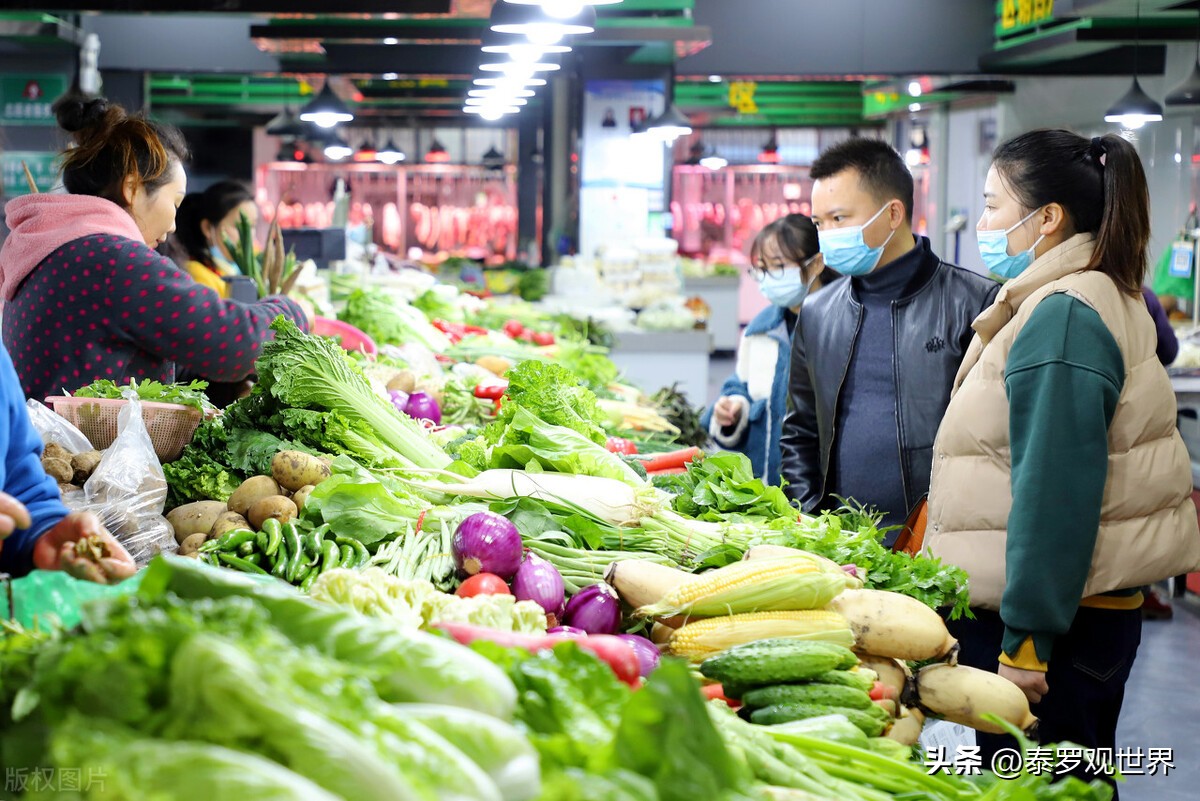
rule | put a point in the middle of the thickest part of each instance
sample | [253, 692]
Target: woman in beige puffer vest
[1060, 483]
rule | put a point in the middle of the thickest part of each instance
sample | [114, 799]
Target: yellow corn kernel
[789, 583]
[700, 639]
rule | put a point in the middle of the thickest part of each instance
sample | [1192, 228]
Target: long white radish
[962, 694]
[608, 499]
[895, 625]
[640, 582]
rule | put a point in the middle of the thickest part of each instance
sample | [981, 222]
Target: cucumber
[784, 713]
[808, 693]
[859, 679]
[776, 661]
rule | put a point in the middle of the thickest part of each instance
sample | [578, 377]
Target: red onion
[399, 399]
[422, 406]
[487, 543]
[567, 631]
[595, 609]
[646, 652]
[851, 570]
[539, 581]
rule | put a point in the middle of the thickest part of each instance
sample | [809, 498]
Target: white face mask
[846, 250]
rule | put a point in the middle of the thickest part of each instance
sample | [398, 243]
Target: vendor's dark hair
[881, 170]
[797, 239]
[212, 204]
[112, 146]
[1100, 184]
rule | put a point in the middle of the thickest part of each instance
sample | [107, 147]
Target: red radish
[543, 338]
[482, 584]
[617, 654]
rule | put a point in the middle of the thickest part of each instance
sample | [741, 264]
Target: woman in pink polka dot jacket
[85, 294]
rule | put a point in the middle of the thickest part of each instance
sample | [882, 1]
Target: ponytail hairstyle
[212, 205]
[1100, 184]
[112, 147]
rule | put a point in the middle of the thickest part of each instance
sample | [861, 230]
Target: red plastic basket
[349, 337]
[170, 425]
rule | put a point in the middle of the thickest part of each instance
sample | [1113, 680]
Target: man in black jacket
[875, 354]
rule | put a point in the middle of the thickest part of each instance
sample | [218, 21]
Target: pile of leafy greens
[173, 694]
[599, 740]
[548, 421]
[722, 486]
[311, 396]
[389, 321]
[191, 394]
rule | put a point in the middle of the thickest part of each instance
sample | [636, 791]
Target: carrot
[672, 460]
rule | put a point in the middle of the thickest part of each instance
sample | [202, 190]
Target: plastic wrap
[128, 491]
[55, 428]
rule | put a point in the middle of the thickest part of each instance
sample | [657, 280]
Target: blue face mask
[787, 290]
[993, 249]
[846, 251]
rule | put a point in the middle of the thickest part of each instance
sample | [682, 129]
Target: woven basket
[170, 425]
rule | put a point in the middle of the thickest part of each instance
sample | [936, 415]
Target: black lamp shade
[1135, 103]
[326, 109]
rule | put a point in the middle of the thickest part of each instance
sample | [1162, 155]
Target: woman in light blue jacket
[748, 417]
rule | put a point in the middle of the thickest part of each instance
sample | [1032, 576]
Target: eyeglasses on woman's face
[776, 267]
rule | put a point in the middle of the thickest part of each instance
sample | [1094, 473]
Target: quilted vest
[1148, 523]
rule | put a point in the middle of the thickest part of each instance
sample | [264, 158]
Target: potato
[191, 544]
[252, 490]
[59, 469]
[293, 470]
[194, 518]
[405, 381]
[85, 464]
[55, 451]
[225, 522]
[277, 506]
[494, 364]
[301, 496]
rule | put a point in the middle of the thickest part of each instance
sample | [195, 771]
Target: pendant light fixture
[493, 159]
[713, 160]
[326, 109]
[1135, 108]
[1188, 92]
[336, 148]
[437, 153]
[561, 9]
[770, 152]
[536, 25]
[389, 153]
[518, 48]
[670, 125]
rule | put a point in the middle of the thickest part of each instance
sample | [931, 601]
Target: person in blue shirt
[35, 526]
[748, 416]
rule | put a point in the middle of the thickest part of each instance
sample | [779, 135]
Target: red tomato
[619, 655]
[483, 584]
[543, 338]
[513, 328]
[620, 445]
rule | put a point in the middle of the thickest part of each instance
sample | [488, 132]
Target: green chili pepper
[249, 547]
[346, 556]
[308, 582]
[260, 541]
[274, 538]
[235, 539]
[295, 550]
[305, 572]
[240, 564]
[361, 554]
[313, 540]
[329, 553]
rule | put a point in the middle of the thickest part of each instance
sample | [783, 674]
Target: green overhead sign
[25, 99]
[43, 166]
[1018, 16]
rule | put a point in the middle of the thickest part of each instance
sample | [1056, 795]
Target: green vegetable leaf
[191, 394]
[552, 394]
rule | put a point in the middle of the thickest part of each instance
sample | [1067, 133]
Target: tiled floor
[1162, 707]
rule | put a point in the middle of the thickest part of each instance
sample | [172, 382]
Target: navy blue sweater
[21, 473]
[866, 450]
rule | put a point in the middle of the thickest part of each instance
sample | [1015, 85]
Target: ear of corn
[785, 584]
[701, 639]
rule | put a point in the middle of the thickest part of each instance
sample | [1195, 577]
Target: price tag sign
[1181, 260]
